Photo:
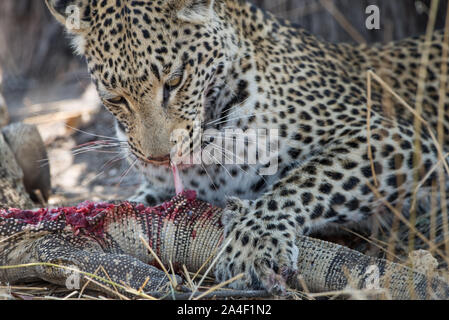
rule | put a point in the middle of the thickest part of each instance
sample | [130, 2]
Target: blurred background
[45, 84]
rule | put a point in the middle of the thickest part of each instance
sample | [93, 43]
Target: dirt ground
[93, 175]
[69, 115]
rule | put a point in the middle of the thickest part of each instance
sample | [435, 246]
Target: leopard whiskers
[231, 110]
[114, 160]
[93, 134]
[123, 176]
[234, 138]
[246, 116]
[105, 166]
[210, 178]
[87, 147]
[228, 153]
[218, 162]
[98, 146]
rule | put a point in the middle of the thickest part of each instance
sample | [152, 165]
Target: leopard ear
[195, 11]
[75, 15]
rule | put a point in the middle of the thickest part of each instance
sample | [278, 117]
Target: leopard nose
[164, 160]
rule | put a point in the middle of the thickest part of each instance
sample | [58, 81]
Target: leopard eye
[117, 100]
[173, 83]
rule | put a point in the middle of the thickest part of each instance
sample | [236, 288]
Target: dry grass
[205, 288]
[437, 140]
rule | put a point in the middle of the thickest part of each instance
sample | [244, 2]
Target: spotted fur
[161, 65]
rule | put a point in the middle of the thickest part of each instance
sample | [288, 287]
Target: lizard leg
[86, 255]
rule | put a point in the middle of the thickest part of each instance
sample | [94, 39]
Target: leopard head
[154, 64]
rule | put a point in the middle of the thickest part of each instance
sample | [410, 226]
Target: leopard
[362, 130]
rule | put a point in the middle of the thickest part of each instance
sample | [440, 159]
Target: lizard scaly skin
[182, 231]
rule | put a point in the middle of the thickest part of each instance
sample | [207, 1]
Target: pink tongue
[177, 179]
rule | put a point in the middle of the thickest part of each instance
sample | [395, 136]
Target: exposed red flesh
[83, 216]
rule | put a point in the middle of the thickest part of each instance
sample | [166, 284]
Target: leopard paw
[265, 254]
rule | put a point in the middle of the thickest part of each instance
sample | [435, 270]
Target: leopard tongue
[177, 179]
